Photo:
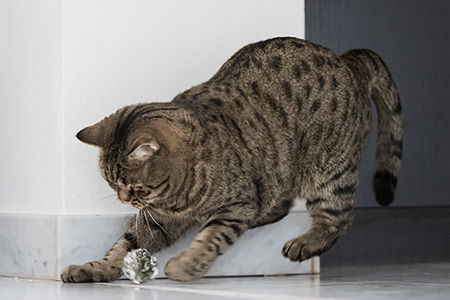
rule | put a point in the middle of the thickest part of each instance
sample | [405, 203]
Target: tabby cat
[282, 118]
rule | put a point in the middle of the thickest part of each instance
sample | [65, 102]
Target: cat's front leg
[107, 269]
[217, 235]
[147, 230]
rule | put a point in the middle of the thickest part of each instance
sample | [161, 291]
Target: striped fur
[282, 118]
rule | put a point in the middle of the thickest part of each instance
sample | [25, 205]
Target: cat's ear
[144, 151]
[93, 135]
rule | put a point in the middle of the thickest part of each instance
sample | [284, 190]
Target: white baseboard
[39, 246]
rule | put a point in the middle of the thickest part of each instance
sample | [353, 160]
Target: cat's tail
[371, 67]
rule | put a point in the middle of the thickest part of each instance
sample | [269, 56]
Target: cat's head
[144, 151]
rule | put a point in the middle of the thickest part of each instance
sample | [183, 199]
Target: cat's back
[277, 58]
[273, 76]
[286, 90]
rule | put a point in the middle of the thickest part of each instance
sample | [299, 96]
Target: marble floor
[415, 281]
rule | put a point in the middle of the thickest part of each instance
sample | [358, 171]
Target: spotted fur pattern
[282, 118]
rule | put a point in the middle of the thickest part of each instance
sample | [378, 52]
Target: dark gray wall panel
[393, 235]
[413, 37]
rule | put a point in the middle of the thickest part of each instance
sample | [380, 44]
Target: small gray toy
[140, 266]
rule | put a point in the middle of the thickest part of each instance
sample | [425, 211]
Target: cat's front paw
[89, 273]
[75, 274]
[185, 268]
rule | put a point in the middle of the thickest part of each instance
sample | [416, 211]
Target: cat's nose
[124, 196]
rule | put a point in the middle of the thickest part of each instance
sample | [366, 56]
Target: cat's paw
[89, 273]
[304, 247]
[185, 268]
[75, 274]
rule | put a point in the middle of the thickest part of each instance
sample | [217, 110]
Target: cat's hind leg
[331, 212]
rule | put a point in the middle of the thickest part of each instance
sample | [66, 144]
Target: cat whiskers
[137, 229]
[110, 203]
[106, 197]
[149, 228]
[159, 225]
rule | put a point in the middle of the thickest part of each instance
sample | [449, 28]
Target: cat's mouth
[137, 203]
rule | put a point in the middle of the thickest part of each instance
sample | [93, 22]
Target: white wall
[31, 151]
[57, 78]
